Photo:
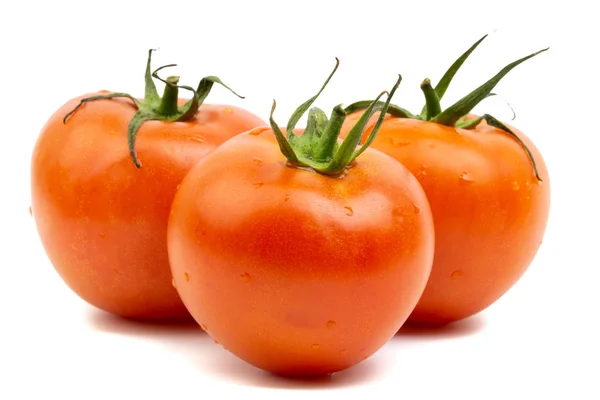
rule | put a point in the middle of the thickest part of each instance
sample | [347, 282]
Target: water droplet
[343, 352]
[30, 211]
[227, 110]
[286, 198]
[422, 172]
[186, 277]
[331, 324]
[258, 185]
[102, 235]
[465, 179]
[198, 139]
[516, 186]
[315, 347]
[417, 209]
[398, 215]
[539, 183]
[397, 142]
[245, 277]
[257, 161]
[173, 282]
[204, 327]
[349, 211]
[456, 274]
[178, 186]
[259, 130]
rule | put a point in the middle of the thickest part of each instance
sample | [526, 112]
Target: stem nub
[318, 147]
[153, 107]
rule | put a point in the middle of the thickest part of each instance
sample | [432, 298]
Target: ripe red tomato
[489, 192]
[300, 266]
[101, 220]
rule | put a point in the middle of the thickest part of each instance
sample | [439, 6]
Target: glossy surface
[102, 221]
[489, 210]
[293, 271]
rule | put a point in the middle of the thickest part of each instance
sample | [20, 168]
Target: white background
[540, 339]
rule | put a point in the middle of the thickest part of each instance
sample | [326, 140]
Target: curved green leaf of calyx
[444, 83]
[392, 110]
[344, 155]
[466, 104]
[206, 85]
[375, 129]
[284, 145]
[491, 121]
[150, 93]
[134, 125]
[100, 97]
[296, 115]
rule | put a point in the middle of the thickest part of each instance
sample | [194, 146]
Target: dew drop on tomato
[417, 209]
[258, 131]
[465, 179]
[245, 277]
[456, 274]
[198, 139]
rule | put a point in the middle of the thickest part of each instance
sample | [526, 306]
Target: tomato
[101, 220]
[294, 265]
[489, 192]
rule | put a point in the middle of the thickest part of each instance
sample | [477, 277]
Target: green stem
[325, 146]
[168, 105]
[318, 146]
[159, 109]
[432, 100]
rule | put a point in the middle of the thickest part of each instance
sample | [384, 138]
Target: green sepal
[464, 106]
[318, 147]
[153, 107]
[491, 121]
[443, 84]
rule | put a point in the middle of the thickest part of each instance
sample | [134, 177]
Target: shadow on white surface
[465, 327]
[187, 339]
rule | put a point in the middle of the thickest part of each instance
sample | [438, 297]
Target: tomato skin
[103, 222]
[291, 270]
[489, 210]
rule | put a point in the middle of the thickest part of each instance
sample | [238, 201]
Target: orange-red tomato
[102, 221]
[294, 271]
[489, 209]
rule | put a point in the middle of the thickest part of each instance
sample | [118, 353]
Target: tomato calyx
[155, 108]
[318, 147]
[456, 114]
